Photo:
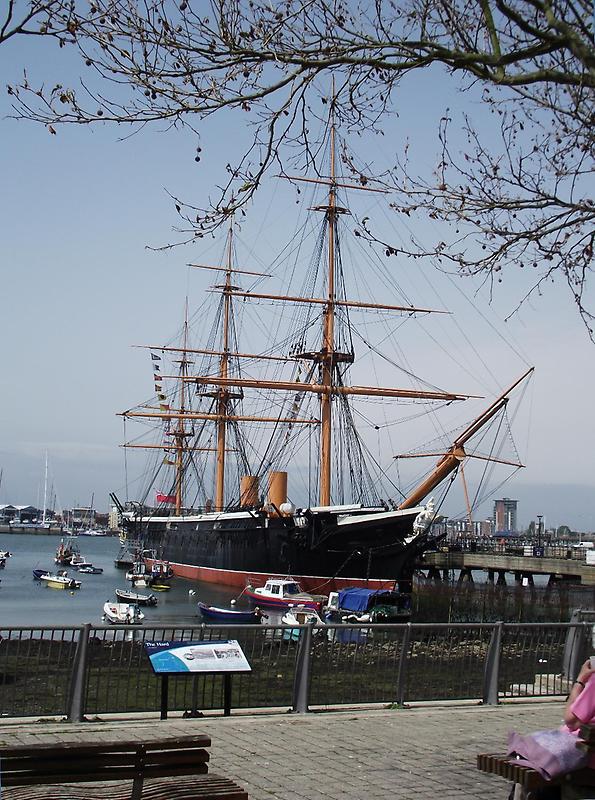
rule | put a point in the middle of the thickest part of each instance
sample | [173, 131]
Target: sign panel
[172, 658]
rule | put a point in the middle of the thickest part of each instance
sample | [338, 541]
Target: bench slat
[88, 762]
[530, 779]
[505, 767]
[117, 773]
[209, 787]
[197, 741]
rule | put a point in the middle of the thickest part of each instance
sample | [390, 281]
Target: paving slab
[359, 754]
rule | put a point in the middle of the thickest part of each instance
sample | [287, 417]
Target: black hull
[324, 554]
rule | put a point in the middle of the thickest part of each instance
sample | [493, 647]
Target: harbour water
[26, 602]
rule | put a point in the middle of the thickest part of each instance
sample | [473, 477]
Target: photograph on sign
[175, 657]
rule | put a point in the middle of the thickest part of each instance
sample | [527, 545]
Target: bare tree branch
[526, 203]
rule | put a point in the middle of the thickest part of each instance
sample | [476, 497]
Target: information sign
[183, 658]
[173, 658]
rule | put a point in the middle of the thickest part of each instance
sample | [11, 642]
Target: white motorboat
[139, 575]
[122, 614]
[138, 579]
[125, 596]
[283, 593]
[77, 561]
[301, 615]
[60, 581]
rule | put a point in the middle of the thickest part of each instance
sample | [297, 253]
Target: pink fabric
[583, 709]
[551, 753]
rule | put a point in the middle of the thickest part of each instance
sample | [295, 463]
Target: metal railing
[516, 547]
[81, 671]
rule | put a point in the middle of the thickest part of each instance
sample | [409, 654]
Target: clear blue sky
[79, 288]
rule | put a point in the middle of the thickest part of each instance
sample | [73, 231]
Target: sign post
[208, 658]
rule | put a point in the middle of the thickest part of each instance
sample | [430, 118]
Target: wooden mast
[328, 339]
[180, 432]
[467, 502]
[223, 392]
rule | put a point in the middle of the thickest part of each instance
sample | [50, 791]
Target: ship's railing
[85, 671]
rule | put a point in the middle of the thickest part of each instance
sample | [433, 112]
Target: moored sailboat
[352, 533]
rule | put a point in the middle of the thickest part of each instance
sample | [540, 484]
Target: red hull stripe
[309, 583]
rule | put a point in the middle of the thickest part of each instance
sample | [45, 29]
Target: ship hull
[325, 552]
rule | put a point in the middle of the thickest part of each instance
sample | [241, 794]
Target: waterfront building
[483, 528]
[465, 529]
[114, 519]
[81, 517]
[19, 513]
[505, 516]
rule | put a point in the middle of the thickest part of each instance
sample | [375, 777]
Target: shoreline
[55, 530]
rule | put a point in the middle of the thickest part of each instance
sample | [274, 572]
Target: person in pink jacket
[579, 710]
[580, 707]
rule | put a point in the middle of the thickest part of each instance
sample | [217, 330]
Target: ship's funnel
[277, 490]
[249, 491]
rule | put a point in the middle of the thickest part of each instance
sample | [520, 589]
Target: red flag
[165, 498]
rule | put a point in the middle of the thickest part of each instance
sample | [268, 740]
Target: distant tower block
[249, 491]
[505, 516]
[277, 489]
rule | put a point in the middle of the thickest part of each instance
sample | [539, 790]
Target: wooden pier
[438, 566]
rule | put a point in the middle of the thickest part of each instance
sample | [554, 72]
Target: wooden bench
[164, 769]
[531, 780]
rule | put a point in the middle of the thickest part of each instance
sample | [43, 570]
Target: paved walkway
[372, 754]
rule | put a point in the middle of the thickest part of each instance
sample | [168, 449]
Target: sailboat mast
[223, 393]
[45, 489]
[328, 340]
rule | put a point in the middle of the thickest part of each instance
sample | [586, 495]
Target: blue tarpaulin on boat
[355, 599]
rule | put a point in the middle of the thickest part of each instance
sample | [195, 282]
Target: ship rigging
[347, 533]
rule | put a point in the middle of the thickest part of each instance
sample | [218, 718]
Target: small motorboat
[138, 578]
[89, 569]
[5, 554]
[139, 575]
[230, 616]
[37, 573]
[282, 593]
[157, 586]
[124, 596]
[122, 613]
[355, 604]
[161, 571]
[77, 561]
[66, 550]
[60, 581]
[300, 615]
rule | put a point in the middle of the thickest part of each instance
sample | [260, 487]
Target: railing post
[194, 712]
[574, 645]
[403, 663]
[78, 677]
[301, 681]
[492, 667]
